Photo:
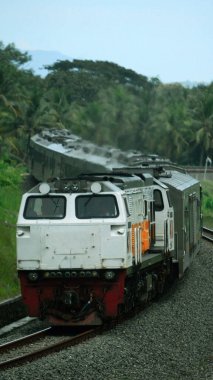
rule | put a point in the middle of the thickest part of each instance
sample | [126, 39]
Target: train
[93, 244]
[60, 153]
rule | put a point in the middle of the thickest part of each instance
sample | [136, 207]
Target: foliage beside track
[207, 203]
[11, 178]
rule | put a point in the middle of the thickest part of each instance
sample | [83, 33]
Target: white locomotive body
[92, 247]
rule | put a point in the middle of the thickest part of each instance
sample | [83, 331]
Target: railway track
[41, 343]
[207, 234]
[28, 348]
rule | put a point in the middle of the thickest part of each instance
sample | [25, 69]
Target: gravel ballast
[169, 340]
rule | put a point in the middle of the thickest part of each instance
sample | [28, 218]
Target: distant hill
[41, 58]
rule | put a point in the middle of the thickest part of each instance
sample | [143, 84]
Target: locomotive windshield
[45, 207]
[96, 206]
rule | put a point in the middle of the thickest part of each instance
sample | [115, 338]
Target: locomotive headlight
[94, 273]
[32, 276]
[73, 274]
[74, 187]
[44, 188]
[59, 274]
[109, 275]
[46, 274]
[67, 274]
[96, 187]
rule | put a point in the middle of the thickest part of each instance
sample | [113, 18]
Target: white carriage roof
[180, 181]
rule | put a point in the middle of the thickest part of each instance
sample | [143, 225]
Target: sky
[168, 39]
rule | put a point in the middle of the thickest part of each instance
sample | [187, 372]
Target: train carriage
[185, 194]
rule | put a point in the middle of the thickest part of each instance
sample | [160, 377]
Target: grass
[207, 203]
[10, 195]
[9, 285]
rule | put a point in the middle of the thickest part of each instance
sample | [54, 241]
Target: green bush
[11, 178]
[207, 203]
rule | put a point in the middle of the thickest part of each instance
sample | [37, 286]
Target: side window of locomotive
[45, 207]
[169, 198]
[96, 206]
[127, 207]
[158, 200]
[145, 208]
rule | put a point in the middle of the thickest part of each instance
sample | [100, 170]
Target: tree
[16, 89]
[168, 131]
[201, 111]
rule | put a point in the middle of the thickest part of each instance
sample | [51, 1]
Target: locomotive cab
[164, 218]
[74, 231]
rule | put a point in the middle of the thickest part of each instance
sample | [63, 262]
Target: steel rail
[207, 234]
[44, 351]
[26, 339]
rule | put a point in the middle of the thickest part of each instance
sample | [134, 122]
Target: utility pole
[208, 161]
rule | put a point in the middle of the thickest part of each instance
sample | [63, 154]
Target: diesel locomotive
[93, 246]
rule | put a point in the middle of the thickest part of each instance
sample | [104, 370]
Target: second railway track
[41, 343]
[207, 234]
